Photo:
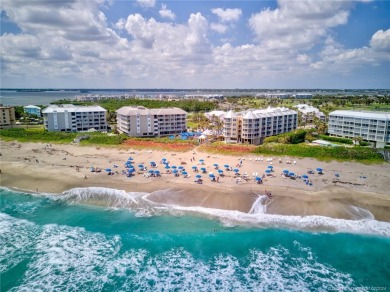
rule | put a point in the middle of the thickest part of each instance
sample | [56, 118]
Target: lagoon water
[105, 240]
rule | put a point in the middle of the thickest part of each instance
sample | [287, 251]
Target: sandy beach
[54, 168]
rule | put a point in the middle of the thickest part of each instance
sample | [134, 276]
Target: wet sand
[57, 168]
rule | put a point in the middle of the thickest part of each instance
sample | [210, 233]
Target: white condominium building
[142, 122]
[70, 118]
[309, 113]
[370, 126]
[254, 125]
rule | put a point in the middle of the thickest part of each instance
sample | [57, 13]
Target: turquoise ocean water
[98, 239]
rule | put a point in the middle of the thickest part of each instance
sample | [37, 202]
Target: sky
[195, 44]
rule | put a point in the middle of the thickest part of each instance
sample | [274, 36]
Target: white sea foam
[15, 240]
[257, 217]
[309, 223]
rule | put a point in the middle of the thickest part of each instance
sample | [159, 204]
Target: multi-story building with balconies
[70, 118]
[7, 116]
[142, 122]
[370, 126]
[254, 125]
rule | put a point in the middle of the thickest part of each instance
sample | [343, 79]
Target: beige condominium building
[7, 116]
[254, 125]
[142, 122]
[368, 125]
[71, 118]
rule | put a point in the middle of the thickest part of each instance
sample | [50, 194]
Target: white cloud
[166, 13]
[147, 3]
[219, 27]
[227, 15]
[298, 24]
[381, 40]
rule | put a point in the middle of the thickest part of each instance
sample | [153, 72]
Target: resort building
[142, 122]
[70, 118]
[7, 116]
[254, 125]
[309, 113]
[370, 126]
[303, 95]
[32, 110]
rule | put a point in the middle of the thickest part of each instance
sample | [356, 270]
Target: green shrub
[336, 139]
[321, 152]
[295, 137]
[36, 135]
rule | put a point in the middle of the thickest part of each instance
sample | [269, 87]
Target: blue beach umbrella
[151, 171]
[198, 176]
[108, 169]
[194, 167]
[203, 169]
[211, 175]
[156, 172]
[285, 171]
[270, 166]
[305, 176]
[167, 167]
[184, 173]
[236, 170]
[180, 167]
[131, 170]
[226, 165]
[173, 166]
[267, 171]
[141, 165]
[215, 164]
[164, 159]
[319, 169]
[258, 178]
[174, 171]
[130, 158]
[220, 171]
[152, 163]
[291, 174]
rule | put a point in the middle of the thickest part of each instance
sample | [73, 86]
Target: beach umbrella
[130, 158]
[141, 165]
[226, 165]
[198, 176]
[215, 164]
[166, 162]
[164, 159]
[268, 171]
[174, 171]
[180, 167]
[201, 160]
[156, 172]
[220, 171]
[270, 166]
[194, 167]
[285, 171]
[151, 171]
[319, 169]
[167, 167]
[131, 170]
[108, 169]
[291, 174]
[184, 173]
[236, 170]
[152, 163]
[211, 175]
[203, 169]
[305, 176]
[173, 166]
[258, 178]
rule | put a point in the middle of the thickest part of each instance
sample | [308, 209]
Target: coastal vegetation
[113, 104]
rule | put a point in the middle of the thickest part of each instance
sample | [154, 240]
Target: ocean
[97, 239]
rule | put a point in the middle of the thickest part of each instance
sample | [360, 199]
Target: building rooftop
[72, 108]
[132, 110]
[362, 114]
